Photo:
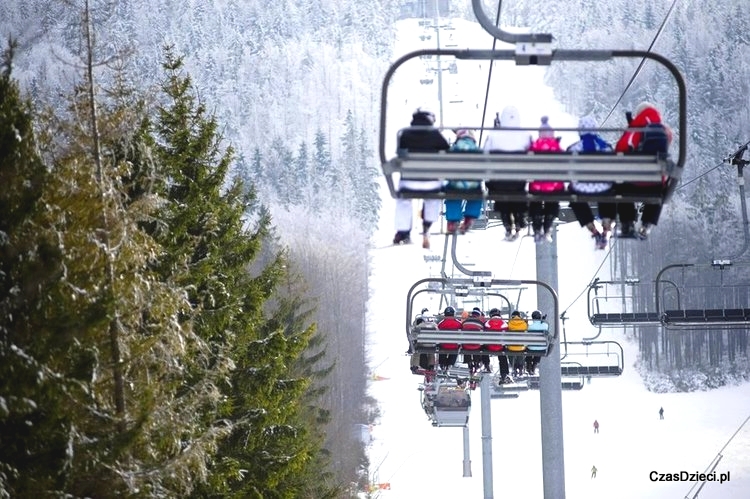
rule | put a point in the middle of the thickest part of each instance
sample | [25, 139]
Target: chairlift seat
[622, 169]
[699, 317]
[576, 370]
[625, 318]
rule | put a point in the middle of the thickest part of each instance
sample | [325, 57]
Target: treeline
[321, 181]
[154, 341]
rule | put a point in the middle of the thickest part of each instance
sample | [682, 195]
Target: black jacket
[422, 139]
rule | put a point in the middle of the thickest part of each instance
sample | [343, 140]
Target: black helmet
[425, 310]
[449, 311]
[495, 312]
[423, 117]
[476, 311]
[536, 315]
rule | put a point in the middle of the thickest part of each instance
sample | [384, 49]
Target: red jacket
[630, 139]
[472, 323]
[449, 324]
[495, 324]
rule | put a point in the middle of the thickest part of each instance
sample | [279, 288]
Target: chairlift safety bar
[430, 340]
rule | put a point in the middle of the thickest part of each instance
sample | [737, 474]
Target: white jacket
[508, 140]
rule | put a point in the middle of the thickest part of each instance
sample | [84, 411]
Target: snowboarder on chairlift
[474, 322]
[423, 138]
[544, 213]
[457, 210]
[512, 213]
[592, 142]
[450, 323]
[497, 323]
[655, 138]
[517, 323]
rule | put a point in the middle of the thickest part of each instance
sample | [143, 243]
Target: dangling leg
[430, 214]
[628, 214]
[452, 214]
[607, 213]
[472, 210]
[551, 212]
[536, 213]
[504, 369]
[403, 221]
[585, 216]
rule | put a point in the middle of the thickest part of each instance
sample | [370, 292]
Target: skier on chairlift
[499, 140]
[424, 137]
[457, 210]
[592, 142]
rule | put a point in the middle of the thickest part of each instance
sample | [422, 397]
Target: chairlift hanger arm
[494, 29]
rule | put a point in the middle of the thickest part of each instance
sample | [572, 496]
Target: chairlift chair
[535, 49]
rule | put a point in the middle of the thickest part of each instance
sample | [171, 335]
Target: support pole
[467, 453]
[484, 389]
[550, 379]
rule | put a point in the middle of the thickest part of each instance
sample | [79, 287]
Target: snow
[419, 460]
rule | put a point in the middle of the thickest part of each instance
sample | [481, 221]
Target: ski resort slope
[414, 459]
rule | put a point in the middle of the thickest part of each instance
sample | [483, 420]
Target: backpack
[653, 139]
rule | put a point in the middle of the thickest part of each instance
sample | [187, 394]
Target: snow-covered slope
[418, 460]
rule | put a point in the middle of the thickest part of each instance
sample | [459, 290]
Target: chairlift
[657, 169]
[426, 338]
[591, 359]
[618, 292]
[690, 311]
[731, 291]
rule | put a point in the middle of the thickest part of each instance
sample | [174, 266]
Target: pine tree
[368, 190]
[215, 236]
[323, 176]
[302, 176]
[33, 424]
